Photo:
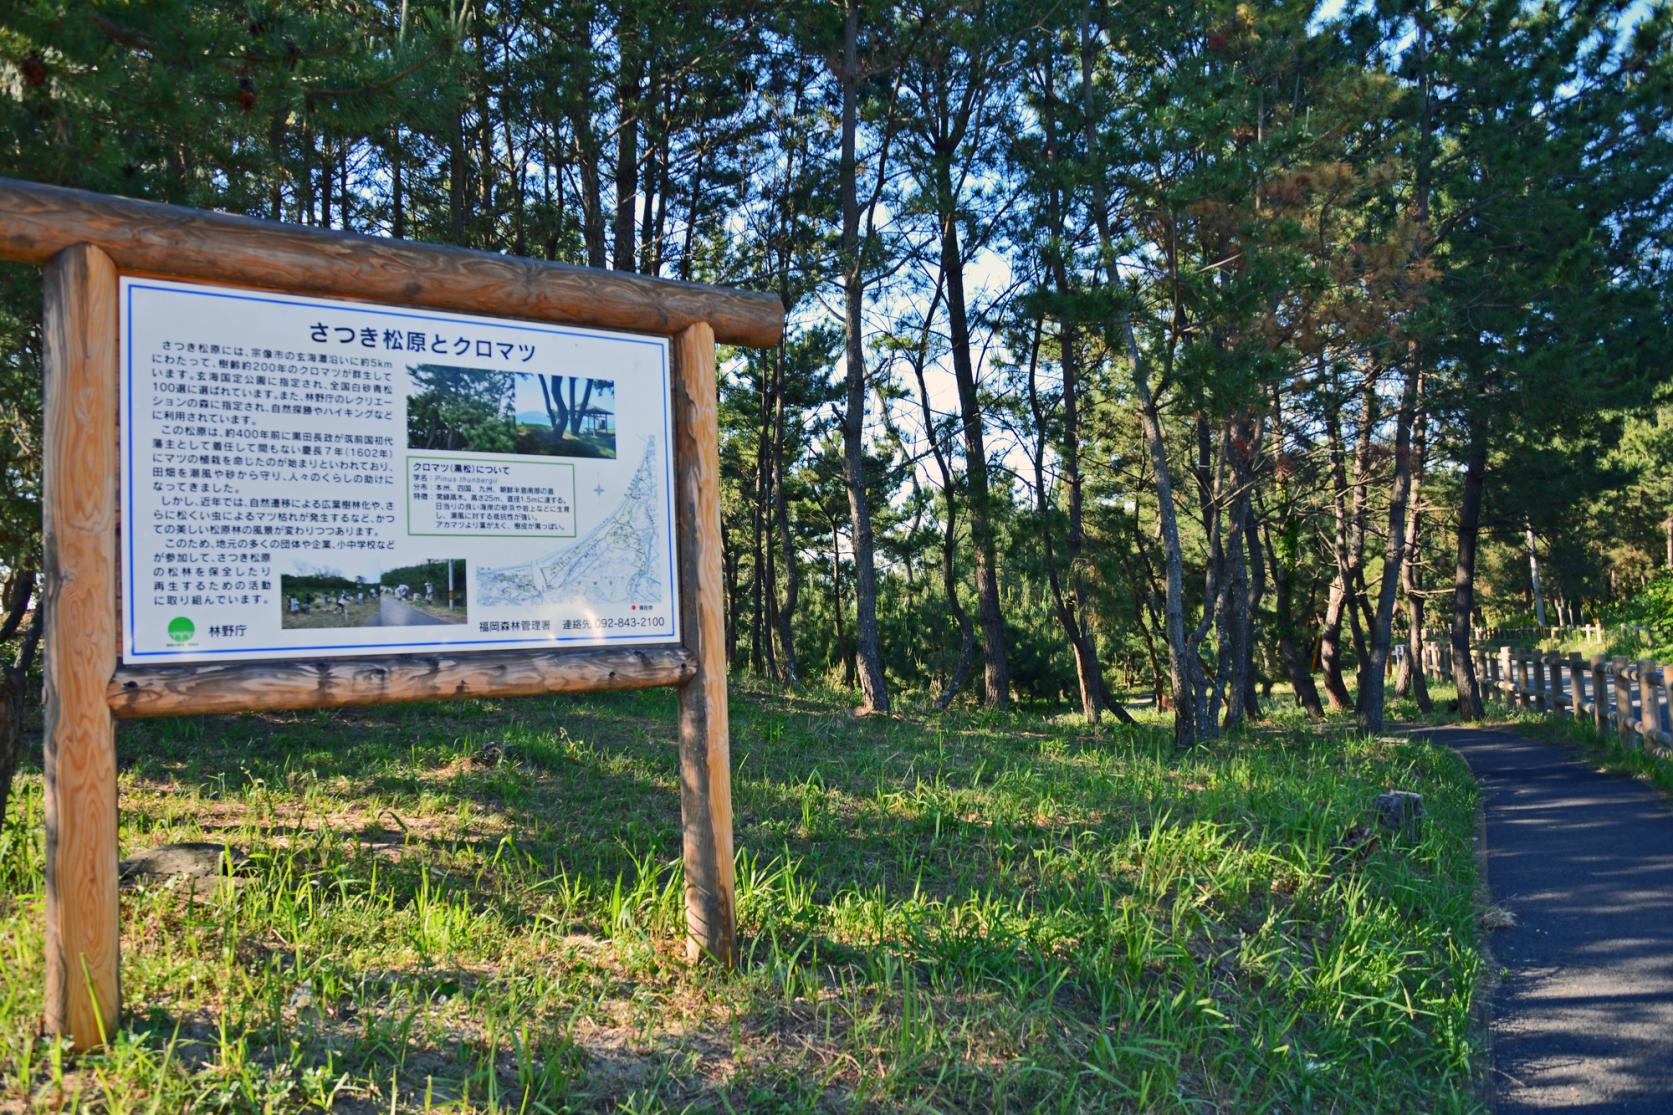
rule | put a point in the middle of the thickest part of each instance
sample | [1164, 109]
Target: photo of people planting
[425, 594]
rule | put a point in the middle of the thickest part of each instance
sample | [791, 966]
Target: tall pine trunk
[1411, 681]
[1463, 579]
[1381, 634]
[1182, 672]
[1339, 599]
[996, 670]
[868, 653]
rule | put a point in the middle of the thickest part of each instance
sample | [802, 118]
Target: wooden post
[705, 757]
[1665, 688]
[1519, 680]
[1577, 685]
[1558, 702]
[1536, 682]
[1623, 703]
[1649, 712]
[82, 994]
[1600, 694]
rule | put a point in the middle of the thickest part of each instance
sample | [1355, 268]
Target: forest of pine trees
[1143, 348]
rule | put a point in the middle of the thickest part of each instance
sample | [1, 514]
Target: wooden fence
[1591, 632]
[1619, 695]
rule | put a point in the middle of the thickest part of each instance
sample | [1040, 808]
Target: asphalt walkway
[1583, 1016]
[396, 613]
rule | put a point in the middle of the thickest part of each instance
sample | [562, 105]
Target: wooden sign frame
[87, 241]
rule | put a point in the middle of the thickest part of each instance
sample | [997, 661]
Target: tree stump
[1400, 812]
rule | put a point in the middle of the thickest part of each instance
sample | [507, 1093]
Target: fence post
[1665, 689]
[1557, 704]
[1649, 702]
[1503, 681]
[1623, 703]
[1519, 683]
[1600, 694]
[1576, 685]
[1536, 681]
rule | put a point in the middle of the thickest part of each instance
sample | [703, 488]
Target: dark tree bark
[629, 71]
[1071, 606]
[949, 540]
[397, 197]
[849, 677]
[1183, 672]
[14, 675]
[456, 184]
[867, 650]
[1257, 593]
[1381, 633]
[578, 413]
[1409, 680]
[729, 567]
[1463, 580]
[1292, 649]
[1070, 609]
[557, 411]
[996, 668]
[589, 150]
[789, 671]
[1338, 602]
[1238, 620]
[1360, 618]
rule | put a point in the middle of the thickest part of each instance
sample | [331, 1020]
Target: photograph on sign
[311, 477]
[419, 595]
[509, 412]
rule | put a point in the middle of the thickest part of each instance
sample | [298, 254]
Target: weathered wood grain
[336, 682]
[705, 749]
[1649, 704]
[37, 221]
[1624, 722]
[1600, 694]
[1664, 696]
[82, 988]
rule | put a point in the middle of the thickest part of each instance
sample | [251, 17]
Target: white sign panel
[305, 477]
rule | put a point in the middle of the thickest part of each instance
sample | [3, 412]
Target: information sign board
[307, 477]
[264, 441]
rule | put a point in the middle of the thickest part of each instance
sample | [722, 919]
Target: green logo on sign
[181, 629]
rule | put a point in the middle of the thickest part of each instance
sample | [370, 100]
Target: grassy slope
[970, 912]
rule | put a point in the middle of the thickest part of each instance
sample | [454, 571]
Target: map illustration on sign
[316, 478]
[616, 563]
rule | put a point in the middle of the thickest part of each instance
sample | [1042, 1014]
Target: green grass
[971, 912]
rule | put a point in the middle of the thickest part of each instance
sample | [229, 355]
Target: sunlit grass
[479, 907]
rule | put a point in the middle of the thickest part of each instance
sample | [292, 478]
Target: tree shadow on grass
[587, 788]
[500, 806]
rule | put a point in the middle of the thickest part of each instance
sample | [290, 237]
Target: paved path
[1583, 1019]
[396, 613]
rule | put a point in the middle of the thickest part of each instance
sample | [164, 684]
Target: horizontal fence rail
[1619, 695]
[1592, 632]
